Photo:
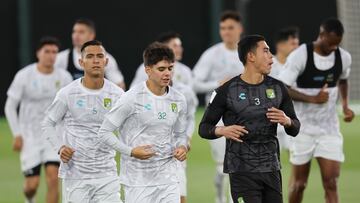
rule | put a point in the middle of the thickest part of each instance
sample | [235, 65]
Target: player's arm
[11, 106]
[113, 72]
[192, 105]
[320, 98]
[113, 120]
[181, 138]
[201, 73]
[285, 115]
[344, 94]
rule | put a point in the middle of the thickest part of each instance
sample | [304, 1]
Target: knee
[298, 186]
[330, 183]
[30, 189]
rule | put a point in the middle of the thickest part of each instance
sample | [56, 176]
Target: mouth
[166, 80]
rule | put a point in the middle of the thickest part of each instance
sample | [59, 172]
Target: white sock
[219, 184]
[32, 200]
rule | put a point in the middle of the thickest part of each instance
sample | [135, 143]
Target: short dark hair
[284, 34]
[333, 25]
[87, 22]
[156, 52]
[248, 44]
[90, 43]
[167, 36]
[46, 41]
[230, 15]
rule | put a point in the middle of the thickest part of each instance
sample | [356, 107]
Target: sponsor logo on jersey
[174, 107]
[319, 78]
[241, 200]
[107, 103]
[270, 93]
[80, 103]
[330, 78]
[147, 106]
[242, 96]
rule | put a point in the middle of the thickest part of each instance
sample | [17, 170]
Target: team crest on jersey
[57, 84]
[270, 93]
[330, 78]
[174, 107]
[241, 200]
[242, 96]
[80, 103]
[147, 106]
[107, 103]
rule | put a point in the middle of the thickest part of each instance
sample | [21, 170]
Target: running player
[319, 70]
[151, 113]
[88, 168]
[182, 73]
[218, 64]
[33, 89]
[251, 105]
[83, 31]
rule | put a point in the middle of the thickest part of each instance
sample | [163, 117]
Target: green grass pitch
[201, 170]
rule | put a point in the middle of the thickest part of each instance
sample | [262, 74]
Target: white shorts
[153, 194]
[33, 154]
[181, 173]
[284, 139]
[304, 147]
[97, 190]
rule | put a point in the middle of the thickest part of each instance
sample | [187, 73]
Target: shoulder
[299, 53]
[214, 49]
[345, 56]
[110, 57]
[63, 53]
[176, 95]
[26, 71]
[113, 88]
[224, 88]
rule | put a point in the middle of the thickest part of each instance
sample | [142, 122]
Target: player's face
[290, 44]
[81, 33]
[329, 42]
[230, 31]
[263, 58]
[93, 60]
[176, 45]
[47, 55]
[160, 73]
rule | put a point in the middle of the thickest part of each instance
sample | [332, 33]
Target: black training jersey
[240, 103]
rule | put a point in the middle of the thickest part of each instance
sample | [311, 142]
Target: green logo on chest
[107, 103]
[270, 93]
[241, 200]
[174, 107]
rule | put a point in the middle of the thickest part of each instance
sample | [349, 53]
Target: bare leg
[298, 181]
[52, 195]
[330, 172]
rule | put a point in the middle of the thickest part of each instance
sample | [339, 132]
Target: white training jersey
[182, 74]
[34, 91]
[319, 119]
[112, 71]
[82, 111]
[191, 103]
[146, 119]
[215, 64]
[276, 68]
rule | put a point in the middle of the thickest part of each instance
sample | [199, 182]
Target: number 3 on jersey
[162, 115]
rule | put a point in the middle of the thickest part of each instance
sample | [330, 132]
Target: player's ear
[81, 62]
[107, 61]
[147, 70]
[250, 56]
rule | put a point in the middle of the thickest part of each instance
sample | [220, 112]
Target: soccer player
[151, 113]
[251, 105]
[218, 64]
[192, 103]
[319, 70]
[33, 89]
[88, 168]
[83, 31]
[286, 40]
[182, 73]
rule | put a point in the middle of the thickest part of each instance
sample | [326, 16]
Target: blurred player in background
[83, 31]
[316, 71]
[33, 89]
[217, 65]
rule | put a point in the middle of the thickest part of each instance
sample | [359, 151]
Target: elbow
[206, 132]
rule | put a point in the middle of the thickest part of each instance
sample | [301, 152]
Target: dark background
[127, 27]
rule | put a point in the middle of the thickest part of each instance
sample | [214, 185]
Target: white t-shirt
[276, 68]
[215, 64]
[34, 91]
[144, 118]
[112, 71]
[82, 111]
[182, 74]
[320, 119]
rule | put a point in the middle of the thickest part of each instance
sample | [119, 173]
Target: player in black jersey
[251, 105]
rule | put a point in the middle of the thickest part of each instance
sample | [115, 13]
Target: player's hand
[180, 153]
[234, 132]
[189, 144]
[278, 116]
[348, 114]
[66, 153]
[142, 152]
[18, 143]
[322, 96]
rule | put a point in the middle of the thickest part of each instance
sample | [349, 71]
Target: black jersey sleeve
[212, 115]
[288, 108]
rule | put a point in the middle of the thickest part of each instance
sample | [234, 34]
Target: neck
[252, 77]
[155, 89]
[317, 47]
[231, 46]
[45, 69]
[93, 82]
[281, 57]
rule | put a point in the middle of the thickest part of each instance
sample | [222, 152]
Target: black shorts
[35, 171]
[256, 187]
